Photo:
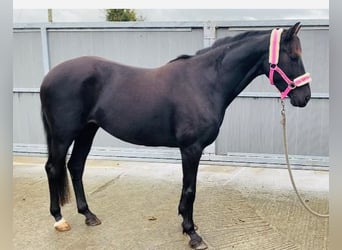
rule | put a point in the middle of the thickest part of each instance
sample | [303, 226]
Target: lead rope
[283, 122]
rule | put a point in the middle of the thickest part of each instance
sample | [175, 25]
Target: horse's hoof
[94, 221]
[62, 225]
[198, 245]
[196, 242]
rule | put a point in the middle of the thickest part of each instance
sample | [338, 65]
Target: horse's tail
[57, 174]
[47, 132]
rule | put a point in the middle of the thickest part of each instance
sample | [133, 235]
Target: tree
[121, 15]
[50, 15]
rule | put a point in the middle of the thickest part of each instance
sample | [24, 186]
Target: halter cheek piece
[273, 60]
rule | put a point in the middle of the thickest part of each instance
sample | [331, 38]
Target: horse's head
[286, 69]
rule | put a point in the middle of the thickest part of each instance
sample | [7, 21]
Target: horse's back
[86, 72]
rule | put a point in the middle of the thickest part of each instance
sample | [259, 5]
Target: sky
[98, 15]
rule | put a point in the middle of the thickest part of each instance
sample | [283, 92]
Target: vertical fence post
[45, 49]
[209, 34]
[209, 37]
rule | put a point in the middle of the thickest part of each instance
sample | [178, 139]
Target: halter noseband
[273, 60]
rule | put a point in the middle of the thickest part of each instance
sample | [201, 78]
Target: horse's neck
[240, 66]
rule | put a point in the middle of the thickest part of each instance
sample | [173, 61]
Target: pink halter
[273, 60]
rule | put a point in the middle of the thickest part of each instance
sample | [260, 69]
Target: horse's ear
[292, 31]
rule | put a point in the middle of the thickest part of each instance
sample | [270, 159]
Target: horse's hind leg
[58, 181]
[190, 160]
[76, 163]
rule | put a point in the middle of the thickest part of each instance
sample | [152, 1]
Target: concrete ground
[235, 208]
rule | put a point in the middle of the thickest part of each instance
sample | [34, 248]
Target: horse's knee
[187, 200]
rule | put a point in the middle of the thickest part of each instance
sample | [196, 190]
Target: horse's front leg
[190, 160]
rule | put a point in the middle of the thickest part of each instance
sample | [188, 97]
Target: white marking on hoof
[62, 225]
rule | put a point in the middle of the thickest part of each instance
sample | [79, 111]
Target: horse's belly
[140, 129]
[145, 136]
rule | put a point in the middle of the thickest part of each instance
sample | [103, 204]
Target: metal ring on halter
[273, 66]
[292, 85]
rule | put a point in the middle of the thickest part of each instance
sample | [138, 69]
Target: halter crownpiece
[273, 60]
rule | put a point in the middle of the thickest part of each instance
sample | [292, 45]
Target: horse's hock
[236, 207]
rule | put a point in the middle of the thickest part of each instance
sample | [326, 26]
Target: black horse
[180, 104]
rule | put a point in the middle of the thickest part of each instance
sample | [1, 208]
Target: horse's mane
[231, 39]
[181, 57]
[221, 42]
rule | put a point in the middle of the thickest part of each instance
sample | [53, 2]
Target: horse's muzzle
[301, 103]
